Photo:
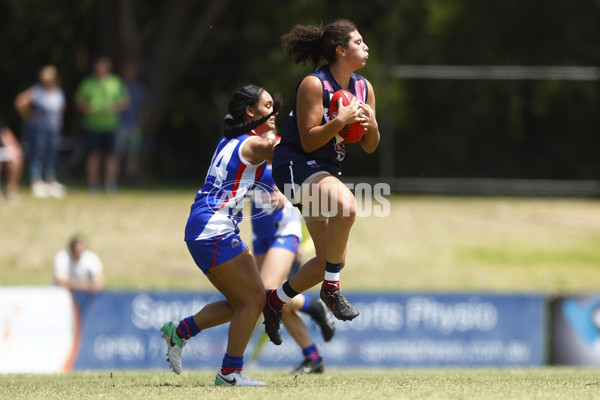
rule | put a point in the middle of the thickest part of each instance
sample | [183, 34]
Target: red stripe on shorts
[215, 257]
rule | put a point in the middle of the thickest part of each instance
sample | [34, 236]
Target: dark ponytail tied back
[234, 124]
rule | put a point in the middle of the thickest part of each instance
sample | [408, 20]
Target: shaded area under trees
[193, 54]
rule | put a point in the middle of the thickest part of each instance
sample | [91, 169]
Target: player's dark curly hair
[310, 43]
[234, 124]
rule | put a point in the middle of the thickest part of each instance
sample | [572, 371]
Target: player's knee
[257, 299]
[232, 302]
[346, 212]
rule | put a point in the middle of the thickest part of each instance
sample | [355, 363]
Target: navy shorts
[210, 252]
[290, 177]
[101, 141]
[289, 242]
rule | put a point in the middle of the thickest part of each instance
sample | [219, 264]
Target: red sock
[274, 300]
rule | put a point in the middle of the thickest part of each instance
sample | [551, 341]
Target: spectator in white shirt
[78, 268]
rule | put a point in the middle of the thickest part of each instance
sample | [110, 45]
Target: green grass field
[544, 383]
[427, 243]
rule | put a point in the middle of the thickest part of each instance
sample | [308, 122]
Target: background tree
[193, 54]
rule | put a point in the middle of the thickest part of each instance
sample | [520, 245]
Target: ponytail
[309, 43]
[303, 43]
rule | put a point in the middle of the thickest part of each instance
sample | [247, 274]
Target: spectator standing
[42, 107]
[11, 156]
[101, 97]
[78, 268]
[132, 123]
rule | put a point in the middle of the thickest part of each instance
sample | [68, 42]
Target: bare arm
[370, 140]
[258, 149]
[9, 139]
[120, 105]
[83, 106]
[97, 283]
[309, 110]
[72, 285]
[23, 104]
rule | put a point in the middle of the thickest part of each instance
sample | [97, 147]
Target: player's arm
[258, 149]
[309, 109]
[277, 198]
[371, 138]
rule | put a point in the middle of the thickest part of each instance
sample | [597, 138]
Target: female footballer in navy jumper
[307, 161]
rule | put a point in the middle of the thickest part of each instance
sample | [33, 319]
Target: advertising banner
[38, 330]
[121, 330]
[575, 330]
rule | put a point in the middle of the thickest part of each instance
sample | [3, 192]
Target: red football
[349, 133]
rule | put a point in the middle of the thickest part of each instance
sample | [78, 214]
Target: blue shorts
[101, 141]
[215, 251]
[289, 242]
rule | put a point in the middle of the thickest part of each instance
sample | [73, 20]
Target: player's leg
[240, 281]
[319, 313]
[319, 269]
[239, 277]
[274, 269]
[275, 266]
[236, 277]
[313, 362]
[275, 261]
[330, 237]
[341, 212]
[341, 209]
[313, 271]
[310, 274]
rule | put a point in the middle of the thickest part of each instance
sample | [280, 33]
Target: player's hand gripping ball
[350, 133]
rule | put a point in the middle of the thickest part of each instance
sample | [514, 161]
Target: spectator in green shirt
[100, 97]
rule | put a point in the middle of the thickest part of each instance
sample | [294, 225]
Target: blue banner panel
[121, 330]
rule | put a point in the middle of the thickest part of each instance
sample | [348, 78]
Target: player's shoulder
[311, 81]
[310, 85]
